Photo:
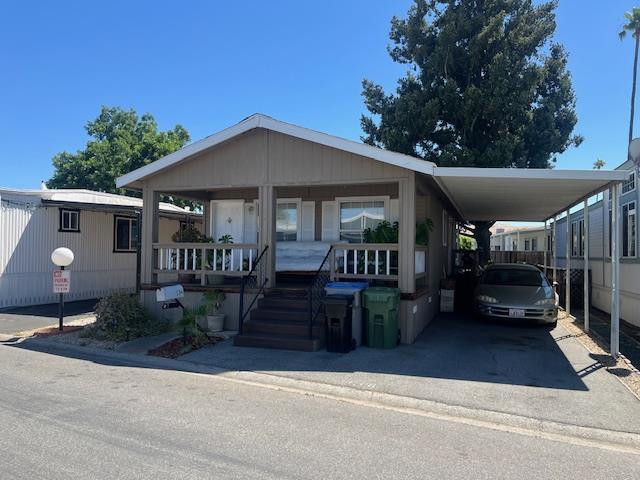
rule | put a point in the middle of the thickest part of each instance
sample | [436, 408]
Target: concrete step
[282, 342]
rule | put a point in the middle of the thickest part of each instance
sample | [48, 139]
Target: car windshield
[505, 276]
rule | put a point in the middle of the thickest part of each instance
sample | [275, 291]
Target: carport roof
[520, 194]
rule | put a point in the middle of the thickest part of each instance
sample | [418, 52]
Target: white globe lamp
[62, 257]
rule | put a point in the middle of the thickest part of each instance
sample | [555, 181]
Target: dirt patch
[181, 346]
[620, 367]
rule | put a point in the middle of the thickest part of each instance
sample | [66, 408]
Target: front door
[227, 218]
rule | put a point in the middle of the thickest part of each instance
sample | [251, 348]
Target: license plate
[516, 312]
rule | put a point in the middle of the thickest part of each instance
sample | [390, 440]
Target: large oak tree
[486, 87]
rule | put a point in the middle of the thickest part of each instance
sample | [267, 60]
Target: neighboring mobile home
[100, 228]
[297, 203]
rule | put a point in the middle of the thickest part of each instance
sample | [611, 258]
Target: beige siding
[263, 157]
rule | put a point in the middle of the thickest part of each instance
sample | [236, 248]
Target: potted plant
[216, 278]
[188, 234]
[212, 302]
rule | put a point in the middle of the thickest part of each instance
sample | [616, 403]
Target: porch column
[267, 233]
[554, 249]
[567, 272]
[407, 234]
[150, 216]
[206, 217]
[615, 270]
[586, 266]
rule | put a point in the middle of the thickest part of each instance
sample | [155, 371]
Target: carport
[487, 194]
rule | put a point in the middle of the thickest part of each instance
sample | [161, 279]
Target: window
[534, 244]
[287, 222]
[527, 244]
[125, 234]
[356, 217]
[630, 184]
[577, 238]
[444, 228]
[69, 220]
[629, 230]
[497, 248]
[549, 243]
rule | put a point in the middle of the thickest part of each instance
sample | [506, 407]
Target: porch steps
[280, 321]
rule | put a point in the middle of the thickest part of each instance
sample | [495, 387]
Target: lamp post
[61, 257]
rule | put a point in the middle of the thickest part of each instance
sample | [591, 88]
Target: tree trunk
[633, 87]
[483, 238]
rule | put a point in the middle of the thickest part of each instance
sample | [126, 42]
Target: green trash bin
[381, 306]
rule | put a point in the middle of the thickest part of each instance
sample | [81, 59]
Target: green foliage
[486, 86]
[189, 234]
[120, 141]
[423, 231]
[384, 232]
[120, 316]
[387, 232]
[598, 164]
[632, 25]
[466, 243]
[212, 301]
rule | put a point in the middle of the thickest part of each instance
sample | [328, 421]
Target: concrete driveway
[29, 318]
[521, 370]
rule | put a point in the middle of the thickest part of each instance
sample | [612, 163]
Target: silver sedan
[518, 291]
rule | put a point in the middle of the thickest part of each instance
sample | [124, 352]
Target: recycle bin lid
[347, 285]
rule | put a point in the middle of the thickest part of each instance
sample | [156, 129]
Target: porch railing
[316, 292]
[250, 281]
[205, 258]
[369, 261]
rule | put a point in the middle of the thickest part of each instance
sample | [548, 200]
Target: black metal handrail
[246, 280]
[316, 291]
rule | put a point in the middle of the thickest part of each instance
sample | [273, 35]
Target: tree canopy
[486, 86]
[120, 141]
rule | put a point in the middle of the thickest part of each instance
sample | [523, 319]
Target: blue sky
[208, 64]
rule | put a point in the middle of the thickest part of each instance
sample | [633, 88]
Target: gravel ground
[622, 368]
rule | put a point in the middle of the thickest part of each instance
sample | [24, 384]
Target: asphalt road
[63, 418]
[29, 318]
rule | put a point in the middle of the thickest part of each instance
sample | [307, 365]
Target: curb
[587, 436]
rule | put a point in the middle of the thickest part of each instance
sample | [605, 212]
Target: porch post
[407, 234]
[267, 232]
[615, 270]
[567, 272]
[206, 217]
[150, 216]
[586, 266]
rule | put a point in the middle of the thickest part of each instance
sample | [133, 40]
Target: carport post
[546, 247]
[586, 265]
[554, 249]
[615, 271]
[567, 272]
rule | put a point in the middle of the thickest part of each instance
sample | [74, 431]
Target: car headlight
[546, 302]
[486, 299]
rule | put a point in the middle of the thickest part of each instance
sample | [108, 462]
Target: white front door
[227, 218]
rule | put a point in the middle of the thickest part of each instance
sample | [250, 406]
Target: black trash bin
[338, 318]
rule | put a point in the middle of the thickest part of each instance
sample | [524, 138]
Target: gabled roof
[259, 120]
[88, 197]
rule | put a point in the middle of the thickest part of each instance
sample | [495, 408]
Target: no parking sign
[61, 281]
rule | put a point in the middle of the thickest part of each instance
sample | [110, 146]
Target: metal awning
[489, 194]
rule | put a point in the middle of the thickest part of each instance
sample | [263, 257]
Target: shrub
[120, 317]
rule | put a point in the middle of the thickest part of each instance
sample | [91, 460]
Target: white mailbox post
[61, 257]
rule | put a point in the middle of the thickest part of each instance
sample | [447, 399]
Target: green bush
[120, 317]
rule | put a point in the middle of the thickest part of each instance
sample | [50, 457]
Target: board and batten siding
[263, 157]
[29, 233]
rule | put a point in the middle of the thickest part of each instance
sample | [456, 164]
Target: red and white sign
[61, 281]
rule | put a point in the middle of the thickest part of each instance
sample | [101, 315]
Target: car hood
[515, 294]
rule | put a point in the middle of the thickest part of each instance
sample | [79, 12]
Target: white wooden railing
[364, 261]
[205, 258]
